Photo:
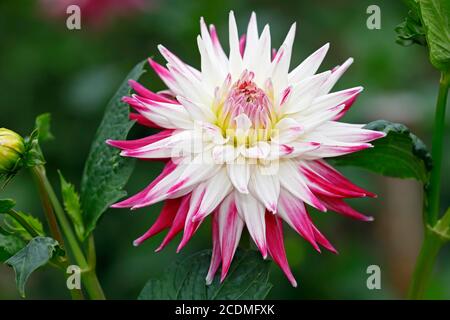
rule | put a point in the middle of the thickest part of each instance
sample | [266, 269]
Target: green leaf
[248, 278]
[16, 225]
[43, 127]
[33, 155]
[106, 172]
[6, 205]
[436, 19]
[9, 246]
[36, 254]
[442, 228]
[411, 30]
[400, 154]
[72, 206]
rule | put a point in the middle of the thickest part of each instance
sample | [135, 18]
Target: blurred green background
[44, 67]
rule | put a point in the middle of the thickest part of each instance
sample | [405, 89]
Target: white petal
[239, 174]
[330, 147]
[313, 120]
[216, 56]
[335, 75]
[175, 61]
[197, 111]
[215, 190]
[252, 212]
[304, 92]
[287, 130]
[261, 64]
[230, 230]
[282, 61]
[224, 153]
[252, 40]
[191, 88]
[243, 123]
[333, 99]
[164, 148]
[236, 62]
[292, 180]
[266, 188]
[259, 151]
[309, 66]
[346, 132]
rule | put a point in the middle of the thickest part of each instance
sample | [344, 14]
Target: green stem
[91, 255]
[424, 265]
[47, 206]
[23, 223]
[432, 241]
[89, 277]
[437, 150]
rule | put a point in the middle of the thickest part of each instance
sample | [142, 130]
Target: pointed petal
[236, 63]
[292, 180]
[180, 181]
[139, 143]
[322, 186]
[262, 59]
[191, 226]
[169, 146]
[314, 120]
[139, 197]
[145, 93]
[217, 46]
[164, 220]
[336, 74]
[287, 130]
[216, 189]
[333, 99]
[309, 66]
[178, 222]
[252, 39]
[266, 188]
[239, 174]
[320, 238]
[175, 61]
[230, 230]
[293, 211]
[339, 206]
[275, 244]
[252, 212]
[165, 76]
[327, 172]
[304, 92]
[346, 132]
[216, 256]
[197, 110]
[282, 60]
[139, 118]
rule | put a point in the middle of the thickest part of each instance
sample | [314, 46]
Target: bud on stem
[12, 149]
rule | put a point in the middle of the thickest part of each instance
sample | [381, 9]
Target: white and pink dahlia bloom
[244, 140]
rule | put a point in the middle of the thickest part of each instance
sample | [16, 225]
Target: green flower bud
[12, 148]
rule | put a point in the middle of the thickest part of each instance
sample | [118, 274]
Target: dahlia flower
[244, 140]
